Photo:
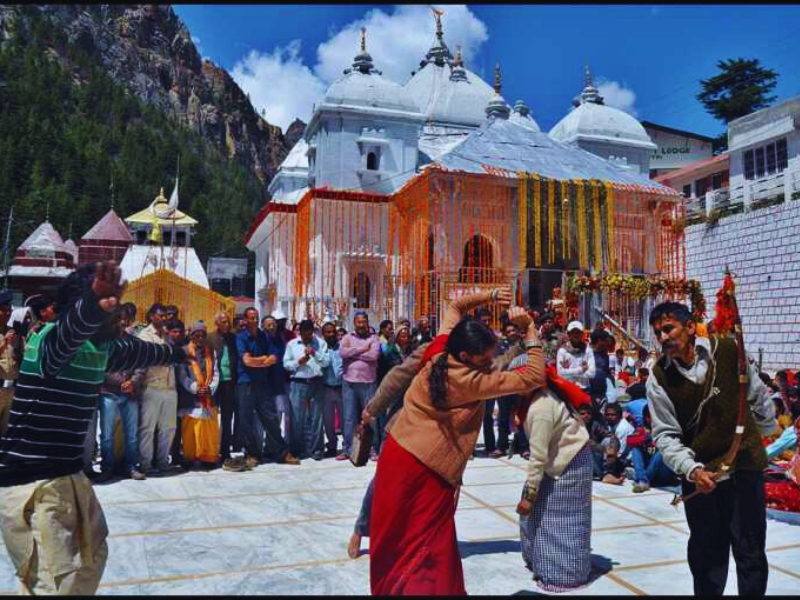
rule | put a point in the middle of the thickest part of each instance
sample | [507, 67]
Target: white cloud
[618, 96]
[196, 41]
[398, 41]
[279, 83]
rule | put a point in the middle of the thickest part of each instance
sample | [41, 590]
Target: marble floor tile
[490, 475]
[782, 534]
[500, 494]
[637, 546]
[154, 517]
[654, 506]
[127, 560]
[788, 558]
[484, 523]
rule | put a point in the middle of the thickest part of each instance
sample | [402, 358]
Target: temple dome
[447, 92]
[592, 120]
[363, 86]
[521, 115]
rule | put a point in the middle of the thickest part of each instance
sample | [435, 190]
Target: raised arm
[83, 319]
[459, 306]
[133, 353]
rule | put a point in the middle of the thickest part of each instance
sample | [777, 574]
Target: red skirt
[412, 539]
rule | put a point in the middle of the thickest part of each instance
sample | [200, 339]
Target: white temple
[370, 136]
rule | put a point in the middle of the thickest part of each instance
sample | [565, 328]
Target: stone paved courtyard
[284, 530]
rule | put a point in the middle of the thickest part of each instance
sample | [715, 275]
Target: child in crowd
[614, 466]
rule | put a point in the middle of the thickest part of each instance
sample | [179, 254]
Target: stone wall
[762, 248]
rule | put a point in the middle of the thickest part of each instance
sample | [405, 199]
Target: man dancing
[51, 522]
[693, 394]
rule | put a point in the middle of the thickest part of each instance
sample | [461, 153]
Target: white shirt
[574, 371]
[295, 350]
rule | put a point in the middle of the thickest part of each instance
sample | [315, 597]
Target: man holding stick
[694, 398]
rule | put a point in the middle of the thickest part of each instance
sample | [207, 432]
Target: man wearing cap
[575, 360]
[9, 358]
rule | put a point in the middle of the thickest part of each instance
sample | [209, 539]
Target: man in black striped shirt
[52, 524]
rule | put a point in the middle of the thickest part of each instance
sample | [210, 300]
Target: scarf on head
[439, 344]
[569, 393]
[201, 379]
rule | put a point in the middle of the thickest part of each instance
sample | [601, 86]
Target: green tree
[741, 87]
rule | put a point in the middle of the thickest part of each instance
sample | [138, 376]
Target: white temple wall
[762, 249]
[343, 142]
[638, 158]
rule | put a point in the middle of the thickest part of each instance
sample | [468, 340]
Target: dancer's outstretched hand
[108, 285]
[520, 317]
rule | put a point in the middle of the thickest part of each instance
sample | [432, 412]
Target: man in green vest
[693, 395]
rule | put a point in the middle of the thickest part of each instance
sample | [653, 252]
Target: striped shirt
[51, 413]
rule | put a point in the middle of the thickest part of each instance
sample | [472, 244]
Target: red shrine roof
[109, 228]
[43, 239]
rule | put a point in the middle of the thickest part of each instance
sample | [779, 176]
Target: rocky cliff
[149, 50]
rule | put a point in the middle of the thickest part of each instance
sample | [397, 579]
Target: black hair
[767, 381]
[470, 336]
[782, 375]
[676, 310]
[546, 316]
[171, 308]
[384, 323]
[128, 311]
[585, 406]
[175, 324]
[615, 407]
[306, 325]
[643, 372]
[483, 312]
[598, 335]
[156, 307]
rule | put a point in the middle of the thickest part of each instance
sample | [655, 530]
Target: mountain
[95, 93]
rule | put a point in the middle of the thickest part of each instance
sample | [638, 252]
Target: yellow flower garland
[551, 221]
[583, 240]
[537, 222]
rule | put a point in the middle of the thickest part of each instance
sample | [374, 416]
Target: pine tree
[741, 87]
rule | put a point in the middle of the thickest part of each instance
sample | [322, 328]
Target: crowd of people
[240, 392]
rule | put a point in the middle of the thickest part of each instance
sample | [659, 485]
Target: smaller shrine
[162, 239]
[109, 239]
[41, 262]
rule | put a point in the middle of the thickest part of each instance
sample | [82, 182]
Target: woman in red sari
[413, 544]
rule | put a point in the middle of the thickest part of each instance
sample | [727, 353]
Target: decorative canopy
[168, 214]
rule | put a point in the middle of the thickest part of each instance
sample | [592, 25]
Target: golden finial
[437, 14]
[457, 61]
[363, 39]
[498, 81]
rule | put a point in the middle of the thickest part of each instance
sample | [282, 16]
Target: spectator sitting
[648, 462]
[638, 397]
[614, 465]
[597, 433]
[621, 428]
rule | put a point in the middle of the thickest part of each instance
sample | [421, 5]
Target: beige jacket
[9, 367]
[444, 440]
[154, 378]
[555, 437]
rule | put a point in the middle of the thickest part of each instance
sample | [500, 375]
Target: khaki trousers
[159, 409]
[6, 398]
[55, 533]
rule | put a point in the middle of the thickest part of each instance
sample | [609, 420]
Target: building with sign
[675, 148]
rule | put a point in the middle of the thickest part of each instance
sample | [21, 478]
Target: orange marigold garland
[724, 313]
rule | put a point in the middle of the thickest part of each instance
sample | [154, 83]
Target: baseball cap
[575, 325]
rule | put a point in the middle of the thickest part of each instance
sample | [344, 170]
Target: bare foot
[354, 546]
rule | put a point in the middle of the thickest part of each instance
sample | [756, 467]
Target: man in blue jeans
[118, 397]
[254, 399]
[650, 469]
[360, 351]
[305, 359]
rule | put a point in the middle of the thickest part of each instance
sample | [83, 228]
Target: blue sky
[648, 58]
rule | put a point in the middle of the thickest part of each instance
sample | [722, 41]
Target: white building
[608, 132]
[754, 232]
[368, 138]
